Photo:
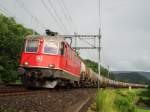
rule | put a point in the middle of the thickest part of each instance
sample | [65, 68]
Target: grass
[18, 82]
[110, 100]
[142, 110]
[118, 100]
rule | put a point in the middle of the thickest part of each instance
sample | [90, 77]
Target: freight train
[49, 61]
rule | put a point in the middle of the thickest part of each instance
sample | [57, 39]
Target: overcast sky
[125, 26]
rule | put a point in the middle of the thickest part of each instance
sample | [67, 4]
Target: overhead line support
[83, 37]
[80, 36]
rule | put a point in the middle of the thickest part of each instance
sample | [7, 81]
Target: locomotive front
[40, 60]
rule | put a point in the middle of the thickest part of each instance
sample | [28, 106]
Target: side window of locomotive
[50, 47]
[32, 45]
[62, 48]
[65, 51]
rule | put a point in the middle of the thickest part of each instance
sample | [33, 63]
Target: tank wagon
[48, 61]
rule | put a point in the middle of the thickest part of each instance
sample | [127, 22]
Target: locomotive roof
[45, 37]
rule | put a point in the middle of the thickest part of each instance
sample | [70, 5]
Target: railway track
[18, 90]
[19, 93]
[8, 90]
[5, 93]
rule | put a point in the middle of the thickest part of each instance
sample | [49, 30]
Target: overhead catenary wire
[69, 15]
[31, 14]
[5, 11]
[21, 5]
[71, 20]
[52, 15]
[65, 14]
[57, 16]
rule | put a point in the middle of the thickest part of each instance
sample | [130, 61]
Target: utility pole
[108, 71]
[99, 57]
[99, 45]
[75, 41]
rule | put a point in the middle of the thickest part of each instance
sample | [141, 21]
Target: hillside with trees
[94, 66]
[11, 41]
[135, 77]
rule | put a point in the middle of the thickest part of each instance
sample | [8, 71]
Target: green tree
[11, 41]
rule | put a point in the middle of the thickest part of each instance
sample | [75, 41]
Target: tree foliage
[131, 77]
[11, 41]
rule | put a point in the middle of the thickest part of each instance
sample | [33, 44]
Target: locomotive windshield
[32, 46]
[51, 47]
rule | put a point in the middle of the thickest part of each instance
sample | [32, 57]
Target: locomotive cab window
[51, 47]
[32, 46]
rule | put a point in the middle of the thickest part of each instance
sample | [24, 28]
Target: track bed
[55, 100]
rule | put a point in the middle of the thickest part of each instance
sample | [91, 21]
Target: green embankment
[120, 100]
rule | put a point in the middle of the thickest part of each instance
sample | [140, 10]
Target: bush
[125, 101]
[123, 104]
[105, 101]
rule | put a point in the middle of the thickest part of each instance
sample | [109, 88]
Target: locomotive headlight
[51, 65]
[39, 58]
[26, 63]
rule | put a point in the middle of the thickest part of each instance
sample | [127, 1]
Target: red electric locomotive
[47, 61]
